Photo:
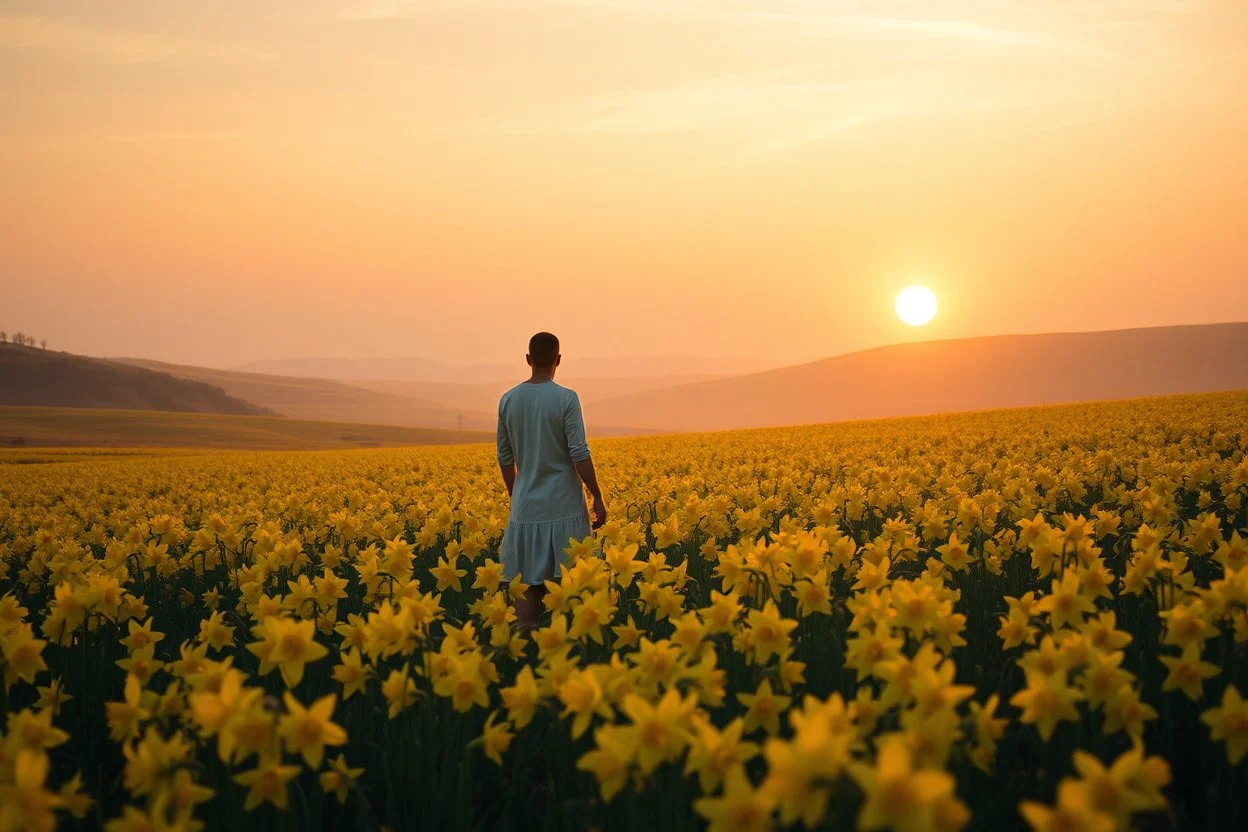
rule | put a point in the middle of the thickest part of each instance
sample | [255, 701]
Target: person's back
[541, 422]
[544, 458]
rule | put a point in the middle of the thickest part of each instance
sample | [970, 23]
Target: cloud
[798, 18]
[865, 63]
[44, 34]
[176, 136]
[396, 9]
[736, 102]
[1074, 26]
[961, 30]
[46, 141]
[755, 114]
[758, 114]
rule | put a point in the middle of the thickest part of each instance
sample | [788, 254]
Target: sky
[228, 181]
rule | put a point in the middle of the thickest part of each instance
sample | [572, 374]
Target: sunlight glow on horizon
[442, 178]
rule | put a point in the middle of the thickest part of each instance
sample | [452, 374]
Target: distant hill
[573, 367]
[34, 427]
[323, 399]
[407, 369]
[400, 403]
[953, 375]
[483, 396]
[32, 377]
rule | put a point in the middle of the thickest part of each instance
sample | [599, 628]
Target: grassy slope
[31, 427]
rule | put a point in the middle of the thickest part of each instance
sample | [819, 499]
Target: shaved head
[543, 350]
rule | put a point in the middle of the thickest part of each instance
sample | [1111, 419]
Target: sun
[915, 305]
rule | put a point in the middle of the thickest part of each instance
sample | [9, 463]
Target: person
[544, 460]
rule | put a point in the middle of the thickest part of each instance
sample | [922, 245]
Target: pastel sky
[218, 182]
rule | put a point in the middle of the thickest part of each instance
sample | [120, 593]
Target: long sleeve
[574, 429]
[506, 456]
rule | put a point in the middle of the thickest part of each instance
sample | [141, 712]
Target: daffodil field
[1030, 618]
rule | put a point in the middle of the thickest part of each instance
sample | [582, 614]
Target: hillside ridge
[952, 375]
[32, 377]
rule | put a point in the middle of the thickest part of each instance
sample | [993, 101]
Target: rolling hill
[325, 400]
[953, 375]
[899, 380]
[62, 427]
[31, 377]
[483, 397]
[573, 367]
[447, 406]
[405, 368]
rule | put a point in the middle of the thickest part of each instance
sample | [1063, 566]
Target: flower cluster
[982, 620]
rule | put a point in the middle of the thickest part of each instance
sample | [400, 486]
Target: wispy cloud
[799, 18]
[764, 113]
[865, 63]
[740, 101]
[34, 32]
[758, 113]
[48, 141]
[960, 30]
[176, 136]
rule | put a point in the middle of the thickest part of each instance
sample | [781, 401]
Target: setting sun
[916, 305]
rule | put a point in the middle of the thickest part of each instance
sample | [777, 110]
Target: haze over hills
[324, 399]
[404, 404]
[483, 396]
[899, 380]
[572, 367]
[33, 377]
[953, 375]
[348, 368]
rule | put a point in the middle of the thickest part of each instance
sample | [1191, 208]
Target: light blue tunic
[541, 430]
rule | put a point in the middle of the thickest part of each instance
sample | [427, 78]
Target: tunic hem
[534, 550]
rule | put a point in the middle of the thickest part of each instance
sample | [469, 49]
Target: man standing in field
[544, 459]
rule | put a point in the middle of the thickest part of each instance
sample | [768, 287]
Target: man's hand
[585, 468]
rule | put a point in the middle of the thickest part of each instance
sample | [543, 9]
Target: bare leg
[529, 607]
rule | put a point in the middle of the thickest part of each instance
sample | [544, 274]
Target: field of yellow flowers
[991, 621]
